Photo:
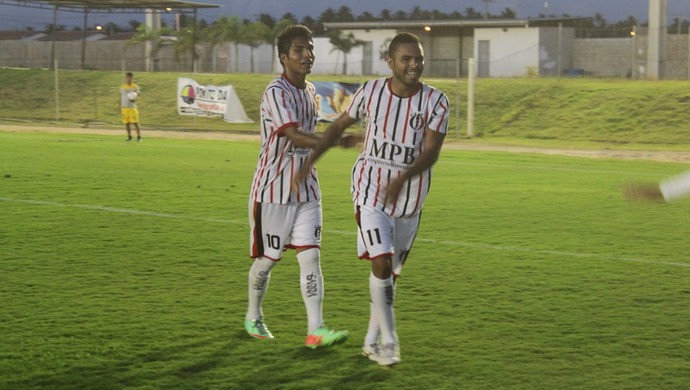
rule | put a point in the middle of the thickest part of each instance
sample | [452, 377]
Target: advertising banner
[209, 100]
[332, 98]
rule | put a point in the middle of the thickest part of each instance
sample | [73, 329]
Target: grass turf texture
[124, 265]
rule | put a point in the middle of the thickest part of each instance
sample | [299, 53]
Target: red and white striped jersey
[395, 128]
[284, 105]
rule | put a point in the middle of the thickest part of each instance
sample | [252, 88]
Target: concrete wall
[677, 57]
[379, 45]
[513, 51]
[555, 50]
[627, 57]
[606, 57]
[443, 56]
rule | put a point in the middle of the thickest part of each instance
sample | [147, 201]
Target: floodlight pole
[656, 52]
[560, 50]
[195, 60]
[458, 74]
[153, 22]
[52, 48]
[83, 39]
[633, 63]
[471, 74]
[57, 90]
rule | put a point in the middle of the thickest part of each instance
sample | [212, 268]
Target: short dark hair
[288, 34]
[130, 74]
[401, 39]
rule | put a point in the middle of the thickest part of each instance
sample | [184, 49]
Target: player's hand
[299, 177]
[393, 191]
[351, 140]
[643, 192]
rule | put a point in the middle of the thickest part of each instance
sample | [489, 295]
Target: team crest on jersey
[417, 121]
[317, 232]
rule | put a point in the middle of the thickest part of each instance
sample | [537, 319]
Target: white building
[502, 48]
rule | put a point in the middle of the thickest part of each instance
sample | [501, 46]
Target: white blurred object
[675, 187]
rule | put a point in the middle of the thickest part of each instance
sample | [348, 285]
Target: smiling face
[407, 64]
[297, 62]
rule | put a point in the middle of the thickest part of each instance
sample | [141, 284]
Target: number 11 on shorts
[371, 236]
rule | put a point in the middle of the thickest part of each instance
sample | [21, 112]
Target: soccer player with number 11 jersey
[406, 122]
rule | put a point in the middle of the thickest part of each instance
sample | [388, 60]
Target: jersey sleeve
[438, 120]
[355, 109]
[280, 109]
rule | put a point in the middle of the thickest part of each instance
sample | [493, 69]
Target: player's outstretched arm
[299, 138]
[350, 140]
[331, 137]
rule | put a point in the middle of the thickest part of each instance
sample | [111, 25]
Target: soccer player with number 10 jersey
[280, 216]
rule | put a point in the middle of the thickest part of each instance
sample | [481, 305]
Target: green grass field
[124, 265]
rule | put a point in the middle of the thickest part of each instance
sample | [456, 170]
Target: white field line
[535, 166]
[119, 210]
[506, 248]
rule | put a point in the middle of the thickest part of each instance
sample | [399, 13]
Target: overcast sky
[14, 17]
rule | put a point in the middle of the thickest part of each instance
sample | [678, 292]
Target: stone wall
[627, 57]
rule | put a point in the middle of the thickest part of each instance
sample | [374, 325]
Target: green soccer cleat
[324, 336]
[257, 328]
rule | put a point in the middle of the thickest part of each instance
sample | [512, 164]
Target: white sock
[311, 284]
[259, 276]
[382, 299]
[372, 336]
[373, 330]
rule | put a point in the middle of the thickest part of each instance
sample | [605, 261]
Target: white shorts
[275, 227]
[379, 234]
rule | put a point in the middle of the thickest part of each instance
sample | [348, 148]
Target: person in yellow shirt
[129, 93]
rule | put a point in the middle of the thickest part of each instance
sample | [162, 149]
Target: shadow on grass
[169, 367]
[228, 360]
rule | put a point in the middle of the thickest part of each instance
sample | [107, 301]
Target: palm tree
[344, 14]
[134, 24]
[186, 41]
[225, 30]
[418, 13]
[314, 25]
[253, 35]
[385, 14]
[151, 37]
[471, 13]
[344, 44]
[270, 38]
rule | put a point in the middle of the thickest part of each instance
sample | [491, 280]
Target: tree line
[189, 32]
[595, 26]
